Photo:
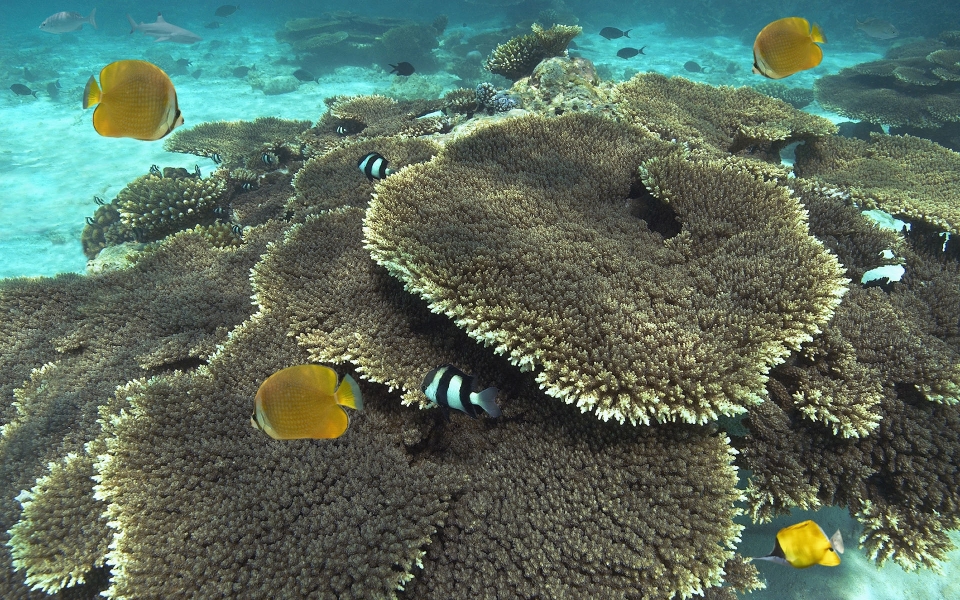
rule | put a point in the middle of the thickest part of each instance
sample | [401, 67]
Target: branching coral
[658, 317]
[155, 206]
[517, 57]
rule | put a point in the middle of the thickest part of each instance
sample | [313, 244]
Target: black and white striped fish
[374, 166]
[449, 387]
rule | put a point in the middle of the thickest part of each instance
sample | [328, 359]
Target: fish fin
[836, 540]
[487, 400]
[133, 24]
[626, 33]
[91, 20]
[776, 559]
[348, 394]
[817, 34]
[160, 18]
[91, 93]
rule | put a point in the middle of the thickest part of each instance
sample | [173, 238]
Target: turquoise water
[54, 164]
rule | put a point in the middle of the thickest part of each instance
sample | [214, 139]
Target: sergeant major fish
[374, 166]
[449, 387]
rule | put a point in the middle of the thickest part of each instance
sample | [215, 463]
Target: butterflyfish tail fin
[91, 20]
[91, 93]
[837, 542]
[348, 394]
[487, 400]
[817, 34]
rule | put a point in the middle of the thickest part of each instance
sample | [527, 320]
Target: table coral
[667, 304]
[731, 120]
[237, 143]
[909, 177]
[914, 89]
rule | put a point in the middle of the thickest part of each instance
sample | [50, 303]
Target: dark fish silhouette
[28, 75]
[693, 67]
[403, 68]
[630, 52]
[183, 62]
[612, 33]
[242, 71]
[53, 89]
[22, 90]
[196, 74]
[305, 75]
[213, 25]
[226, 10]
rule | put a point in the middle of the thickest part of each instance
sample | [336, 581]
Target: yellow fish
[804, 545]
[786, 46]
[136, 99]
[305, 401]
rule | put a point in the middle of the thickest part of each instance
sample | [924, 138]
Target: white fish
[164, 32]
[65, 22]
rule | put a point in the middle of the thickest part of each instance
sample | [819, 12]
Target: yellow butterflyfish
[787, 46]
[804, 545]
[305, 401]
[134, 99]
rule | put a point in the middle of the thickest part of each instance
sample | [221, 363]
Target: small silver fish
[878, 28]
[65, 22]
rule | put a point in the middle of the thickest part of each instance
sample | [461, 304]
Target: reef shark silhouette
[162, 31]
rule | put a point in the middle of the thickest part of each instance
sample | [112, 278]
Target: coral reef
[912, 178]
[518, 57]
[637, 307]
[393, 338]
[99, 332]
[915, 89]
[237, 143]
[732, 120]
[794, 96]
[379, 116]
[56, 509]
[332, 179]
[560, 84]
[649, 269]
[155, 207]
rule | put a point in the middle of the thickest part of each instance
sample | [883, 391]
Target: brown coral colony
[635, 251]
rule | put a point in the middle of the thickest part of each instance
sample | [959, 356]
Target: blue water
[54, 164]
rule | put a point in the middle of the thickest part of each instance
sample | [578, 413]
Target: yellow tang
[305, 401]
[804, 545]
[136, 100]
[786, 46]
